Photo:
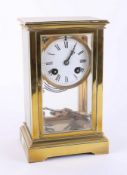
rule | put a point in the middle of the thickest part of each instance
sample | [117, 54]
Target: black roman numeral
[57, 47]
[66, 79]
[81, 69]
[49, 53]
[82, 61]
[80, 52]
[50, 72]
[49, 63]
[75, 76]
[65, 42]
[58, 77]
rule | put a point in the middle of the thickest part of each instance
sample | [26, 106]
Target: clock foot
[102, 150]
[40, 150]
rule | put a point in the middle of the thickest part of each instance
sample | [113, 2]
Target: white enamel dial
[65, 62]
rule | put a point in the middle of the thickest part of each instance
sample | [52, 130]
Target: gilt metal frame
[37, 145]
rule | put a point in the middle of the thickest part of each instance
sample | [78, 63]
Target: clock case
[37, 145]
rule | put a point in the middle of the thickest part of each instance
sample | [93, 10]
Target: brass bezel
[53, 38]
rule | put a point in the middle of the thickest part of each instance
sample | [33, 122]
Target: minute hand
[66, 62]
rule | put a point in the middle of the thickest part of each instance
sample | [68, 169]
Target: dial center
[66, 62]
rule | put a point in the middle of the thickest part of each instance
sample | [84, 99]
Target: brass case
[37, 145]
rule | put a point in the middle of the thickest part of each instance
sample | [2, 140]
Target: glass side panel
[66, 66]
[27, 79]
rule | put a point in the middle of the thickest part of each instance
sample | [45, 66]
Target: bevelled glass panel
[66, 66]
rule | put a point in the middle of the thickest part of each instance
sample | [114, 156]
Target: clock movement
[63, 73]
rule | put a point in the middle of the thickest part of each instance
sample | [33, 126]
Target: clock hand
[66, 62]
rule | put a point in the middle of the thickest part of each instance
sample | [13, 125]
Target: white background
[12, 159]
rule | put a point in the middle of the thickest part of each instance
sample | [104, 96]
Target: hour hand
[66, 62]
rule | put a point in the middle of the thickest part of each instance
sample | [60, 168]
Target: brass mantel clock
[63, 68]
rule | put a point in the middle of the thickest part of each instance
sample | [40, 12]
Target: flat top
[41, 20]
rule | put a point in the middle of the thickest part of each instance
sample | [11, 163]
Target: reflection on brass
[83, 86]
[83, 97]
[66, 120]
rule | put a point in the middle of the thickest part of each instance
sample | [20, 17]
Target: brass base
[40, 150]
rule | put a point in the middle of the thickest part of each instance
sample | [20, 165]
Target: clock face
[65, 62]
